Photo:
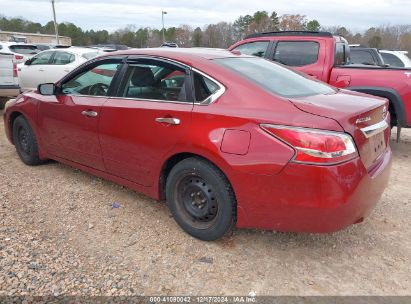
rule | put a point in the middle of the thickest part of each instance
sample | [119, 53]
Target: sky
[357, 15]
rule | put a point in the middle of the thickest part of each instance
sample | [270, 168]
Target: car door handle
[41, 70]
[67, 70]
[89, 113]
[168, 120]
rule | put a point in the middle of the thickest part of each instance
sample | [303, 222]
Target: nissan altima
[227, 140]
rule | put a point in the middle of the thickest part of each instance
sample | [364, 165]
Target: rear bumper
[305, 198]
[9, 90]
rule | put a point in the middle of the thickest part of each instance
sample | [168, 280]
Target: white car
[21, 51]
[396, 58]
[51, 65]
[8, 78]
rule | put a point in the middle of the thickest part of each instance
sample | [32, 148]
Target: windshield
[274, 77]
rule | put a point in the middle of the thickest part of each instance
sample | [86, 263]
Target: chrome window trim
[374, 129]
[152, 100]
[217, 94]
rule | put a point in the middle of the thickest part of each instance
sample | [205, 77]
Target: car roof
[185, 55]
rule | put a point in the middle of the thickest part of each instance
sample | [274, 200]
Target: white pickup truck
[9, 86]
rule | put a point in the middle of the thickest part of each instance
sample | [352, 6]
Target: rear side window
[203, 87]
[296, 53]
[42, 58]
[392, 60]
[155, 81]
[62, 58]
[253, 48]
[362, 57]
[24, 49]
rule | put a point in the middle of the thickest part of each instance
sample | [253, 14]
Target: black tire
[201, 199]
[25, 142]
[2, 102]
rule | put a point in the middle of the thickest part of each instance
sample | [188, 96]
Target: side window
[42, 58]
[296, 53]
[62, 58]
[95, 82]
[362, 57]
[253, 48]
[392, 60]
[155, 81]
[342, 54]
[203, 87]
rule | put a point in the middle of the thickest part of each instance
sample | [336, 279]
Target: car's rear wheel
[201, 199]
[25, 142]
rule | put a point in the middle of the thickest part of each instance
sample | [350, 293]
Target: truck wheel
[25, 142]
[201, 199]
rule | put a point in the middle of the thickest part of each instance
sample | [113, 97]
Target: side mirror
[46, 89]
[27, 62]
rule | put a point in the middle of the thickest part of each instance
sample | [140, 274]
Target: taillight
[315, 146]
[14, 70]
[19, 57]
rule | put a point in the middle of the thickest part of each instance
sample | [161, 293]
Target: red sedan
[226, 139]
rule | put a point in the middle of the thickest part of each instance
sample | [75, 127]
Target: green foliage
[313, 26]
[375, 42]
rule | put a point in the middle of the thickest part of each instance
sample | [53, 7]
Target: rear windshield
[274, 77]
[24, 49]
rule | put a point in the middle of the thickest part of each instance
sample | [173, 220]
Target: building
[33, 38]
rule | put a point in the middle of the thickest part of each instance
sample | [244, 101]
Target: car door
[33, 72]
[69, 121]
[148, 118]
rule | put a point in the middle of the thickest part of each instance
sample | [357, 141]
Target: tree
[293, 22]
[197, 37]
[183, 35]
[375, 42]
[241, 26]
[261, 22]
[313, 26]
[142, 35]
[275, 21]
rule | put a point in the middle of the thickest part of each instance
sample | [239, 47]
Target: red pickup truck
[327, 58]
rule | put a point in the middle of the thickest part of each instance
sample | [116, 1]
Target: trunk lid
[364, 117]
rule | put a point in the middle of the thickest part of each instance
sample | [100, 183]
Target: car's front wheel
[201, 199]
[25, 142]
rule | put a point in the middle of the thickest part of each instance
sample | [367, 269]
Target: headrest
[142, 77]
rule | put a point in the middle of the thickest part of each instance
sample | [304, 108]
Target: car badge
[362, 119]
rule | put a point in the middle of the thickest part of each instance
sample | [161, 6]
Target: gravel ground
[60, 235]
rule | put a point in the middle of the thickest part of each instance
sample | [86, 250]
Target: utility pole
[56, 29]
[162, 19]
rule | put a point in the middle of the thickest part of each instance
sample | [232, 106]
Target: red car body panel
[358, 78]
[125, 145]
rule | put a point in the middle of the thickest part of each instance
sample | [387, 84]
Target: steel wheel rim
[23, 140]
[196, 201]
